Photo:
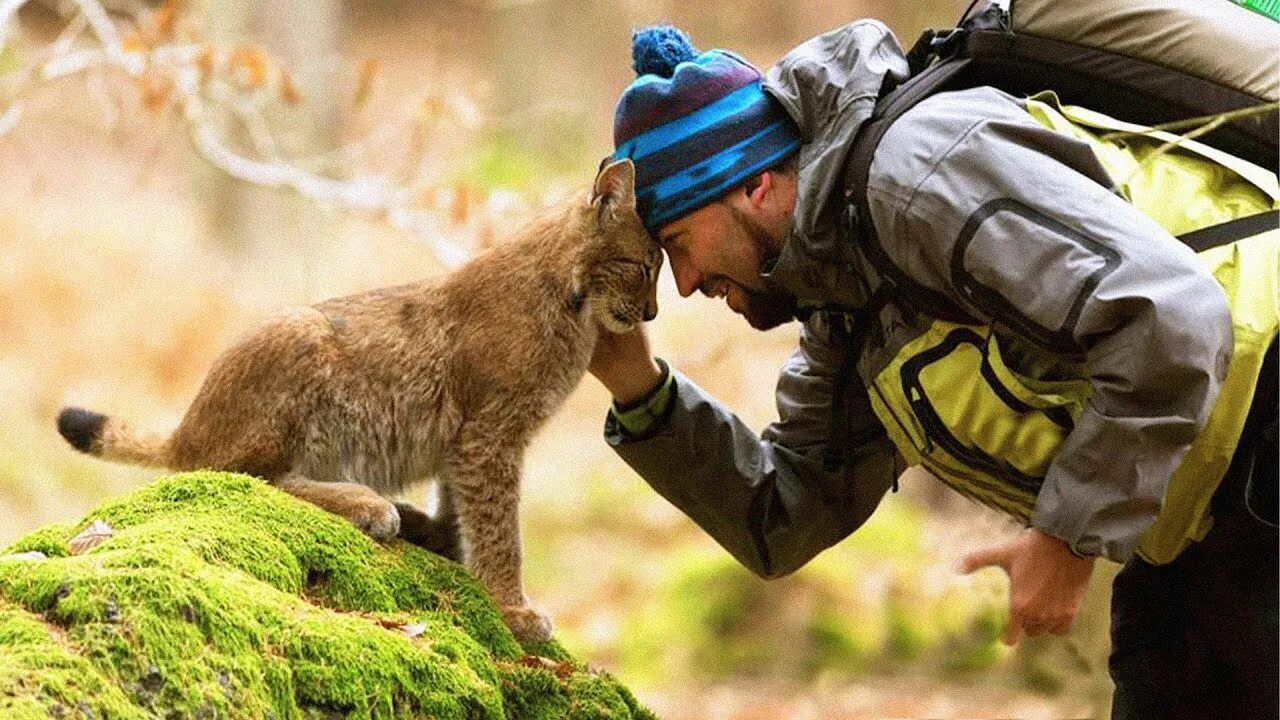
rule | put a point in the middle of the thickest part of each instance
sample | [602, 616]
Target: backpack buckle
[921, 53]
[944, 45]
[933, 46]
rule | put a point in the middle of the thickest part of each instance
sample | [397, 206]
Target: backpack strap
[848, 332]
[1231, 230]
[858, 171]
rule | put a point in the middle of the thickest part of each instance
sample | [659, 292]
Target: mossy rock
[219, 596]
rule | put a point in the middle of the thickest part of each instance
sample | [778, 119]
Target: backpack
[1143, 61]
[1146, 62]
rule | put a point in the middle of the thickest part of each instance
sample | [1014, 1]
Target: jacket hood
[829, 86]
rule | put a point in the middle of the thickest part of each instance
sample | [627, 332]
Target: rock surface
[217, 596]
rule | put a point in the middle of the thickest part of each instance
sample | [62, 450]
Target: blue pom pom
[657, 50]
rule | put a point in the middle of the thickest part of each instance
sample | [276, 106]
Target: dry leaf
[249, 66]
[410, 629]
[430, 110]
[364, 83]
[133, 42]
[427, 198]
[204, 61]
[288, 90]
[91, 537]
[459, 209]
[561, 669]
[155, 92]
[164, 19]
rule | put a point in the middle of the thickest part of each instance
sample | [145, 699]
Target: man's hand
[1047, 582]
[624, 364]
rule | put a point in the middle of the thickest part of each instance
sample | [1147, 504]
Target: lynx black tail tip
[82, 428]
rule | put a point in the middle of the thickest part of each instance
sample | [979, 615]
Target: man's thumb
[996, 556]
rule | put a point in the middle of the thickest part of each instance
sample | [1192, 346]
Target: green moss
[38, 656]
[219, 596]
[520, 159]
[50, 540]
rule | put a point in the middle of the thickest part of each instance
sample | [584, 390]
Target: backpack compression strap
[1230, 231]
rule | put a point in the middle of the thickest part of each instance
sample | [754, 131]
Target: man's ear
[616, 185]
[759, 187]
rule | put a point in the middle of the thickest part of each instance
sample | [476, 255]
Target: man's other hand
[1047, 582]
[625, 365]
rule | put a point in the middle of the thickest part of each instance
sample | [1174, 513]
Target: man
[742, 181]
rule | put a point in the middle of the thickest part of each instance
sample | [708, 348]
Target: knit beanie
[695, 124]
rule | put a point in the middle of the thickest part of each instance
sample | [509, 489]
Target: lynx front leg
[359, 504]
[486, 485]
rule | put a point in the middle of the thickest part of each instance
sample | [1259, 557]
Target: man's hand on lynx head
[624, 364]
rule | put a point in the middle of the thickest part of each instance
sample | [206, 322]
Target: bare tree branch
[201, 81]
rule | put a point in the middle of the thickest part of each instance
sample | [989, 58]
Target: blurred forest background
[128, 260]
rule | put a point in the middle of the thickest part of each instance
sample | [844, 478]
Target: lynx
[364, 396]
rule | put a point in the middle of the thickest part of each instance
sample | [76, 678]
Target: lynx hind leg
[251, 405]
[486, 486]
[437, 533]
[373, 514]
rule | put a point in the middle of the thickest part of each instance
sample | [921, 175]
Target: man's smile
[731, 292]
[716, 287]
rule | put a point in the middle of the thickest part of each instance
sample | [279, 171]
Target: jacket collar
[829, 86]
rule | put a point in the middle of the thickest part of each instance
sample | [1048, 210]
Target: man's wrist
[644, 414]
[633, 388]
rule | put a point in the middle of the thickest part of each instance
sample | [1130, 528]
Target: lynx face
[625, 287]
[622, 285]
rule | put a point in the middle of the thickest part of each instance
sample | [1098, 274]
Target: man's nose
[687, 279]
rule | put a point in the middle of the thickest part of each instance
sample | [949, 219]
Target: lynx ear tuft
[616, 185]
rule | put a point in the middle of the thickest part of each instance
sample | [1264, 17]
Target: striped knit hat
[695, 124]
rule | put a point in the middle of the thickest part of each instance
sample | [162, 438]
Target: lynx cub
[363, 396]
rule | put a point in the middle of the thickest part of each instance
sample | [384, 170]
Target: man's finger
[1012, 631]
[997, 556]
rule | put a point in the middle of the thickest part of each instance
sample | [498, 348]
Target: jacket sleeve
[1020, 226]
[767, 499]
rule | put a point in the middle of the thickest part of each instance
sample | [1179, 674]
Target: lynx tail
[101, 436]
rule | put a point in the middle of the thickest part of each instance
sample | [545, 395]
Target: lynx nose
[651, 304]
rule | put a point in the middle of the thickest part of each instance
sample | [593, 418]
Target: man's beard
[766, 309]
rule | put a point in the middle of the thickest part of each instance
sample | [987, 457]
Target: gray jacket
[1050, 253]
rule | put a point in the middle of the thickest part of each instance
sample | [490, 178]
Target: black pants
[1199, 637]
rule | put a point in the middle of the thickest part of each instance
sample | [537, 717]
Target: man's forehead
[686, 222]
[667, 232]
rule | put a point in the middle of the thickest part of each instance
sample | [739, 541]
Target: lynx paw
[376, 517]
[527, 623]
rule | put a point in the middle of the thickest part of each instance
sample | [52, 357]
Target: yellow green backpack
[982, 413]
